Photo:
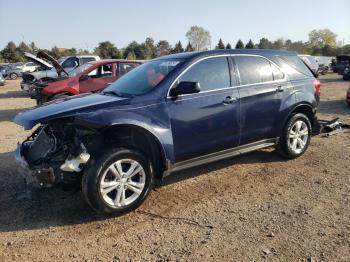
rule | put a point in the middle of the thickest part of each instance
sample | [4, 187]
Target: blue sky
[83, 24]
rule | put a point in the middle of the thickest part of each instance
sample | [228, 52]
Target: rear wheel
[117, 181]
[296, 136]
[13, 76]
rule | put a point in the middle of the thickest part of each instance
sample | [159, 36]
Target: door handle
[229, 100]
[279, 88]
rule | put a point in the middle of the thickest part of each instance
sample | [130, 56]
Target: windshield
[143, 78]
[80, 69]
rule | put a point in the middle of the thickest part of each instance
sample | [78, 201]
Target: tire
[13, 76]
[105, 168]
[295, 137]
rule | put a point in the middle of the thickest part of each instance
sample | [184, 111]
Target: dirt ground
[249, 208]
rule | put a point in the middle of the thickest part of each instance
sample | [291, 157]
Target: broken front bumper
[38, 177]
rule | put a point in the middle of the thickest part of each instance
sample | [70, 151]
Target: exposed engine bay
[54, 153]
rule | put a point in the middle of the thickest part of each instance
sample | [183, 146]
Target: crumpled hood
[67, 107]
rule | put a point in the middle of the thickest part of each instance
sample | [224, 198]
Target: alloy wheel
[298, 137]
[122, 183]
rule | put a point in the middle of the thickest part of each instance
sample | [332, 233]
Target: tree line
[320, 42]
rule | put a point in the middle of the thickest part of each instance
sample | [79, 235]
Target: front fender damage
[53, 154]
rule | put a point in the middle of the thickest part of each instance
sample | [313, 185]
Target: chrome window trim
[236, 86]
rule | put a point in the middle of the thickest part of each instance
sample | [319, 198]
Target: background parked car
[13, 72]
[348, 97]
[322, 69]
[346, 73]
[48, 72]
[29, 67]
[2, 80]
[342, 62]
[17, 65]
[90, 77]
[3, 69]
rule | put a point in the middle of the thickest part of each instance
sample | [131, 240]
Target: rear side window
[296, 63]
[253, 69]
[212, 73]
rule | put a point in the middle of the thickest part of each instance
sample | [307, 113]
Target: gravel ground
[249, 208]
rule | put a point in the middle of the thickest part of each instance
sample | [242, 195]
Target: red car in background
[348, 97]
[90, 77]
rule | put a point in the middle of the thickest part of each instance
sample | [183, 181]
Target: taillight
[317, 85]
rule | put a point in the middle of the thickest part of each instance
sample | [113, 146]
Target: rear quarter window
[294, 67]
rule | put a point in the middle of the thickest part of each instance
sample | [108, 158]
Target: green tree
[264, 43]
[11, 54]
[177, 48]
[250, 44]
[131, 56]
[228, 46]
[22, 47]
[346, 50]
[163, 48]
[220, 44]
[83, 52]
[299, 47]
[135, 48]
[55, 52]
[278, 44]
[328, 50]
[199, 38]
[320, 38]
[239, 44]
[148, 49]
[189, 48]
[33, 47]
[107, 50]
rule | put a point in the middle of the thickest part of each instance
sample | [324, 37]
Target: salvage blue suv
[171, 113]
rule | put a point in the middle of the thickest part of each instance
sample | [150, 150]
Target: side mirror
[84, 77]
[184, 88]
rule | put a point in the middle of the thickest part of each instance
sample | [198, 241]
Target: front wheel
[296, 137]
[117, 181]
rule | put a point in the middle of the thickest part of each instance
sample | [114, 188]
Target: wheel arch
[303, 108]
[138, 138]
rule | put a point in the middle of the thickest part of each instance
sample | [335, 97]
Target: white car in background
[29, 67]
[53, 71]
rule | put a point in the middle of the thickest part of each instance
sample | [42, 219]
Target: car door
[205, 122]
[98, 79]
[261, 92]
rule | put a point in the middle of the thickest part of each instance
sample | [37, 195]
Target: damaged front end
[55, 153]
